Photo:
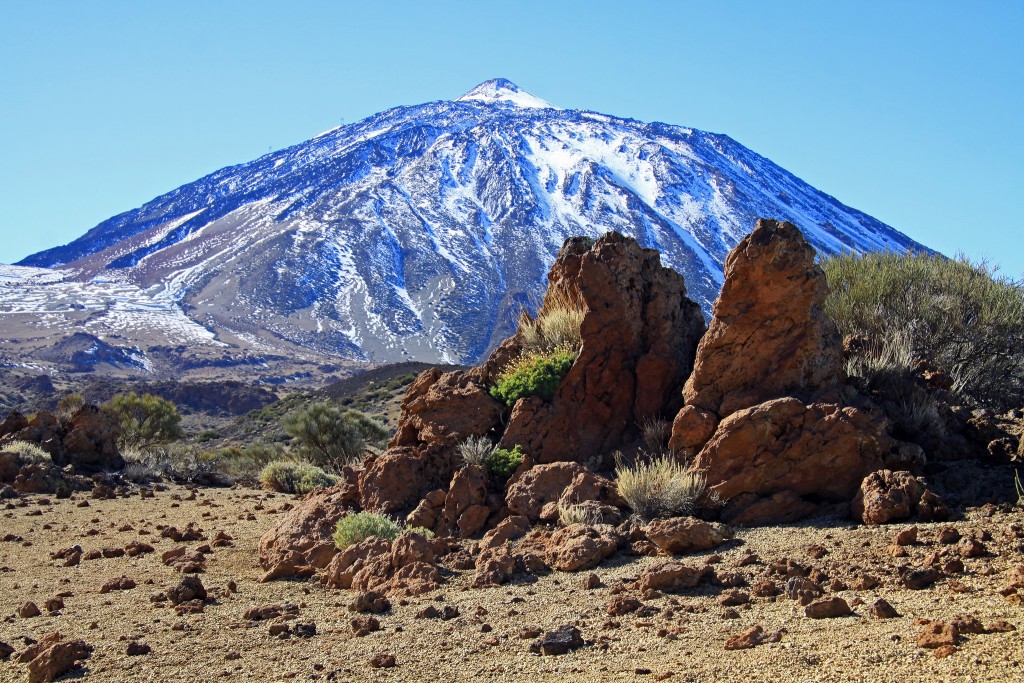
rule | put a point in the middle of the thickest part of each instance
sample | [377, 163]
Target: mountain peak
[503, 90]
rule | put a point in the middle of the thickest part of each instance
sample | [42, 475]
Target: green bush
[330, 438]
[295, 477]
[145, 420]
[958, 315]
[502, 463]
[243, 462]
[658, 486]
[537, 374]
[360, 526]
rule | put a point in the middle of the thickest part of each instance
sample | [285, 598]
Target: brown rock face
[578, 547]
[672, 576]
[306, 530]
[53, 656]
[446, 408]
[639, 337]
[887, 496]
[783, 445]
[769, 336]
[538, 486]
[685, 534]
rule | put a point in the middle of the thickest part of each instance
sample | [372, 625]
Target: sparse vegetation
[360, 526]
[295, 477]
[502, 463]
[537, 374]
[68, 405]
[557, 327]
[655, 432]
[330, 438]
[958, 315]
[1019, 486]
[658, 486]
[578, 514]
[475, 450]
[146, 420]
[27, 451]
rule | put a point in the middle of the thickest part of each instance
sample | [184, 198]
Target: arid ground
[678, 637]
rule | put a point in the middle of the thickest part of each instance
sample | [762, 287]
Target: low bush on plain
[330, 438]
[658, 486]
[360, 526]
[537, 374]
[145, 420]
[295, 477]
[961, 316]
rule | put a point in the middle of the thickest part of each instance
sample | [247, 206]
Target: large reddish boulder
[403, 567]
[639, 335]
[821, 450]
[399, 478]
[303, 536]
[769, 336]
[578, 547]
[446, 408]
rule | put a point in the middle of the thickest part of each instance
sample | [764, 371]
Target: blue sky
[910, 111]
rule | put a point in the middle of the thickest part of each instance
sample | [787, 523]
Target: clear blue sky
[910, 111]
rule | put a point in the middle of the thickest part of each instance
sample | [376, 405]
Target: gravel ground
[681, 638]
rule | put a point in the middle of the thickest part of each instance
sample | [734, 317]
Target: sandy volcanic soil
[679, 638]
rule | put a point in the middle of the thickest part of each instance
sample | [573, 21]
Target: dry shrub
[27, 451]
[557, 325]
[475, 450]
[655, 432]
[961, 316]
[578, 514]
[658, 486]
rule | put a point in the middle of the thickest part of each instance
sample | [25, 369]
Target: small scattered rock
[752, 637]
[622, 604]
[121, 583]
[881, 609]
[558, 642]
[137, 649]
[373, 602]
[936, 634]
[364, 626]
[828, 608]
[383, 661]
[29, 610]
[907, 536]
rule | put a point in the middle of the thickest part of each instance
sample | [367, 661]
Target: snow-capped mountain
[417, 233]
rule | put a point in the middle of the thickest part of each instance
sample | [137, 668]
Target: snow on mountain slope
[416, 234]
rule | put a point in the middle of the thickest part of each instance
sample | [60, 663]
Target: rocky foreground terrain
[834, 540]
[484, 634]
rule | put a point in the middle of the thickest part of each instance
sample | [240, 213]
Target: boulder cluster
[758, 401]
[83, 443]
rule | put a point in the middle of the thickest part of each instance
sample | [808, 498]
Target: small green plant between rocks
[502, 462]
[536, 374]
[360, 526]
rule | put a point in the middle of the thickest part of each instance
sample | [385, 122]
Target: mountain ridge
[417, 233]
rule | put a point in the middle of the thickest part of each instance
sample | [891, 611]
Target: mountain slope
[416, 234]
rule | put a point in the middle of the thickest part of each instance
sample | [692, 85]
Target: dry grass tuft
[659, 486]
